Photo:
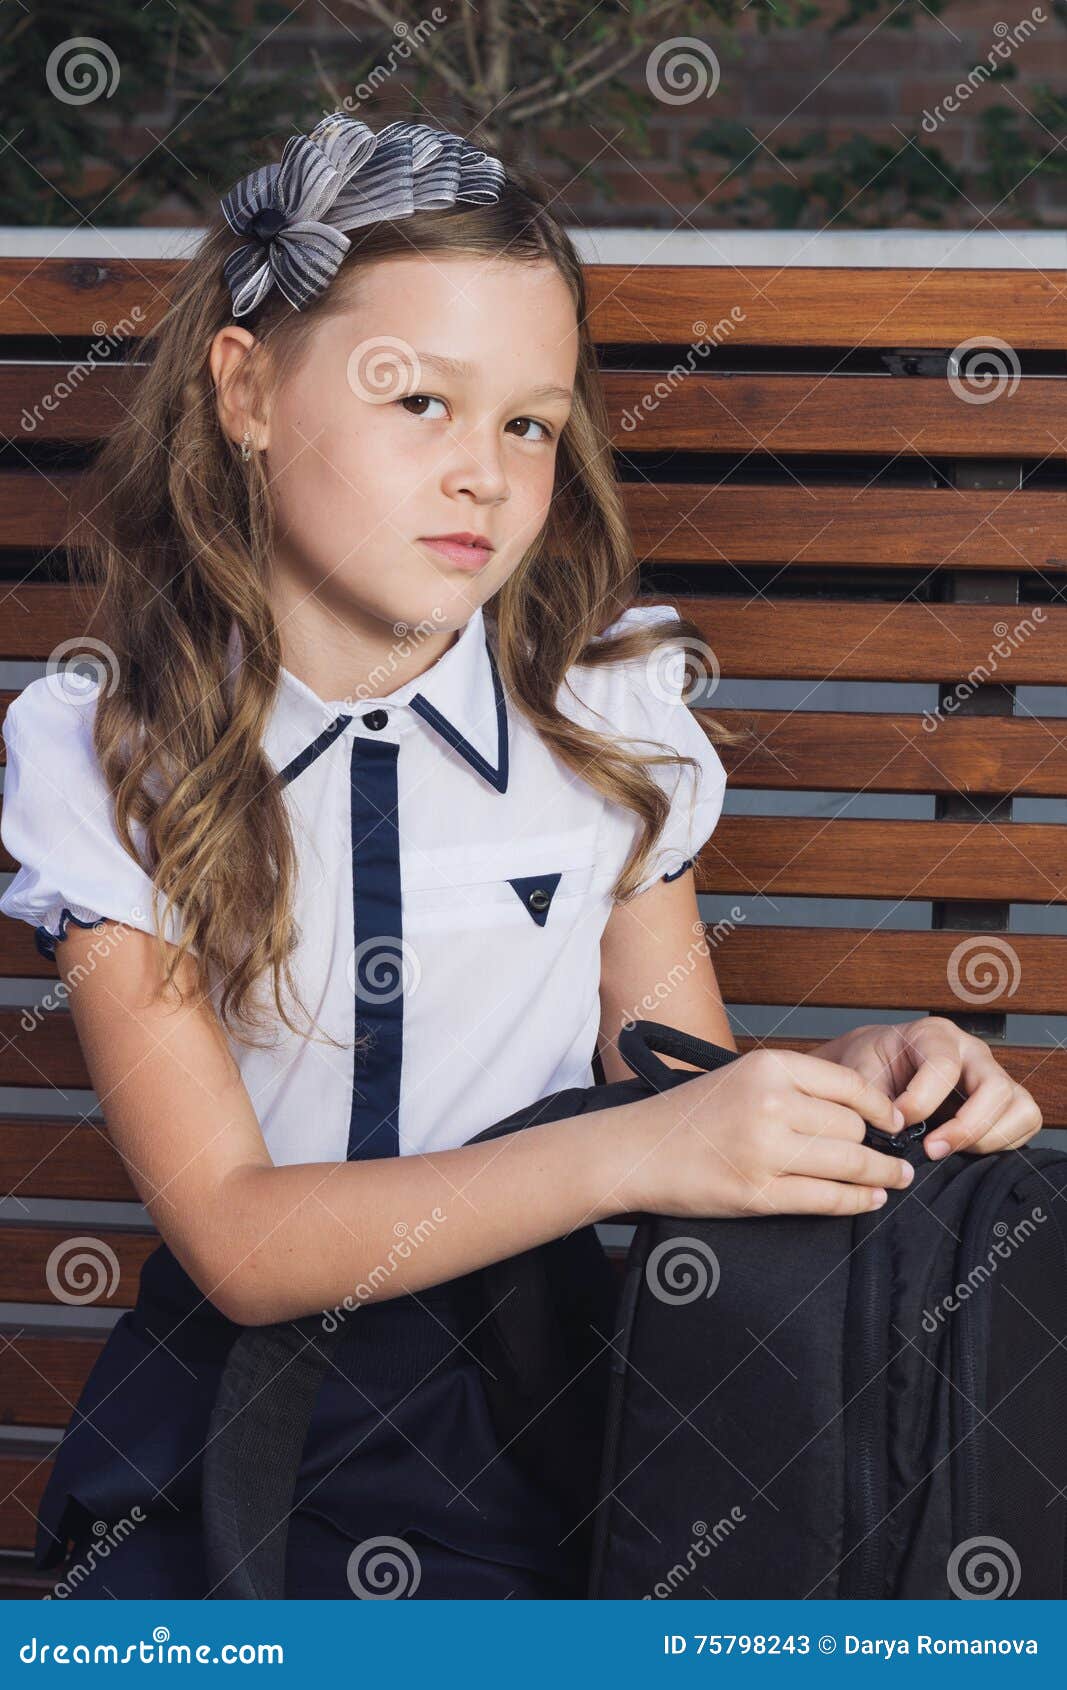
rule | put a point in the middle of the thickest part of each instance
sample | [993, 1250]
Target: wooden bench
[813, 489]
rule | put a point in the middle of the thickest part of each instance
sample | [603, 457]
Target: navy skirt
[403, 1487]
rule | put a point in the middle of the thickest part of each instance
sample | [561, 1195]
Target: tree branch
[473, 57]
[448, 72]
[521, 111]
[497, 49]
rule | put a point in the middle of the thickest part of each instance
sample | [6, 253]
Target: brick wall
[871, 78]
[874, 79]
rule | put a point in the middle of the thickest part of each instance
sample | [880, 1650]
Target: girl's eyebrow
[460, 367]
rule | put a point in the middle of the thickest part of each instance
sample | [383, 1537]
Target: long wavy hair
[169, 542]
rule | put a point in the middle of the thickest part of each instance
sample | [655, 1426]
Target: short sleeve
[648, 705]
[57, 820]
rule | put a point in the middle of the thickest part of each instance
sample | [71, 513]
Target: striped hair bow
[342, 176]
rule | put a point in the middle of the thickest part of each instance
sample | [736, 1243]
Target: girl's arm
[655, 966]
[270, 1243]
[771, 1132]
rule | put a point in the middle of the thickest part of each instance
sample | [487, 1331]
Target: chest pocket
[520, 883]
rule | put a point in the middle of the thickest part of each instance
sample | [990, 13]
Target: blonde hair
[171, 549]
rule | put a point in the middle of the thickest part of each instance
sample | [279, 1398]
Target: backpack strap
[255, 1441]
[272, 1373]
[638, 1040]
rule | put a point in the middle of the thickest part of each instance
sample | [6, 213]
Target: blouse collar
[460, 696]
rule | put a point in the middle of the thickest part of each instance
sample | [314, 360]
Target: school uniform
[454, 882]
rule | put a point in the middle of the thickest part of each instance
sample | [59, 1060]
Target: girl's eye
[546, 433]
[416, 398]
[431, 399]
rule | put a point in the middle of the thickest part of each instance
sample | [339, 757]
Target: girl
[379, 823]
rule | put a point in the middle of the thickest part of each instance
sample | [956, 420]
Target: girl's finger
[814, 1116]
[979, 1115]
[837, 1159]
[1019, 1122]
[795, 1194]
[838, 1084]
[935, 1050]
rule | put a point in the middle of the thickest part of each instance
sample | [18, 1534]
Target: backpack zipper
[968, 1501]
[863, 1575]
[613, 1412]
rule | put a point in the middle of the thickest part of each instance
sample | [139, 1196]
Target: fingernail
[878, 1197]
[907, 1173]
[898, 1116]
[936, 1147]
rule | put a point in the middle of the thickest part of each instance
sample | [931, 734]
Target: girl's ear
[236, 395]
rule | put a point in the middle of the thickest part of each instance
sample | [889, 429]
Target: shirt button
[539, 899]
[375, 719]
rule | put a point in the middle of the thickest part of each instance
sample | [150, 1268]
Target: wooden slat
[45, 401]
[84, 296]
[845, 306]
[889, 415]
[803, 639]
[885, 969]
[639, 305]
[37, 619]
[18, 952]
[837, 858]
[70, 1159]
[35, 509]
[848, 527]
[46, 1054]
[27, 1247]
[42, 1375]
[845, 751]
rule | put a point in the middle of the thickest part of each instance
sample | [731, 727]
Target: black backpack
[806, 1406]
[813, 1419]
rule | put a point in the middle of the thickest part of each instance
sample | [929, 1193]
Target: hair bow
[342, 176]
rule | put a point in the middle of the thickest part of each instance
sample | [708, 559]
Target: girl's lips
[462, 556]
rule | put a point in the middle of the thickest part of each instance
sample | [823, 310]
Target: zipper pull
[895, 1144]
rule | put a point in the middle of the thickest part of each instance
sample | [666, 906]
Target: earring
[246, 445]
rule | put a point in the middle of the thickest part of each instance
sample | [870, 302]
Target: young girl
[378, 824]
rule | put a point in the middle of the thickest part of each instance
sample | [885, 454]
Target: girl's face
[432, 407]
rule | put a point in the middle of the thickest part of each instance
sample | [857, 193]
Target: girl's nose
[476, 466]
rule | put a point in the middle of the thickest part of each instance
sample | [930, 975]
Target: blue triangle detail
[527, 884]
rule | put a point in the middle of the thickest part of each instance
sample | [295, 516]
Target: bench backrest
[830, 494]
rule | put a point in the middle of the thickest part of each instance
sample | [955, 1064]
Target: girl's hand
[775, 1132]
[918, 1063]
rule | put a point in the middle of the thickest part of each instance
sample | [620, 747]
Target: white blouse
[454, 882]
